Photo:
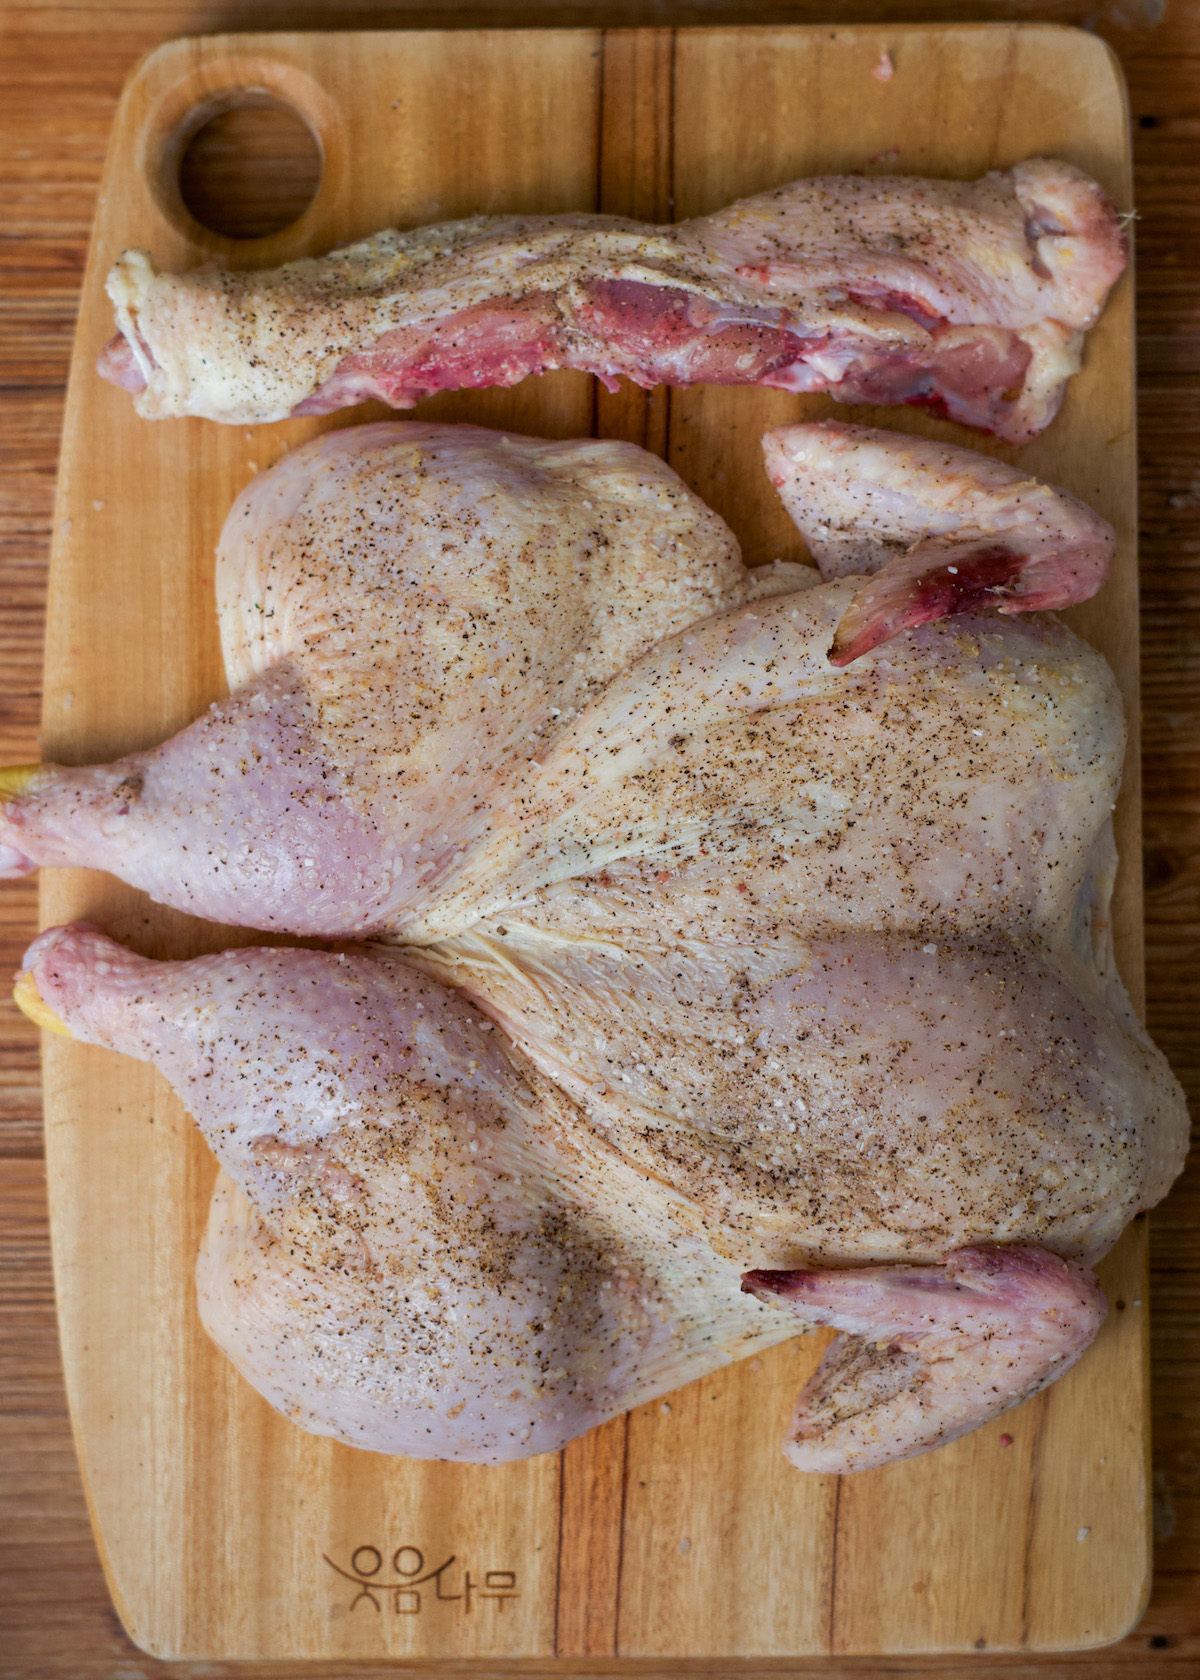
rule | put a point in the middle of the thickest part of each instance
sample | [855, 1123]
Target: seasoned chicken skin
[410, 615]
[969, 297]
[790, 970]
[410, 1249]
[435, 634]
[929, 1352]
[939, 529]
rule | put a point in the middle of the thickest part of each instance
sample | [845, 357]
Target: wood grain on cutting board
[679, 1530]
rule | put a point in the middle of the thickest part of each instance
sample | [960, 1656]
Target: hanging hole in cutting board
[251, 167]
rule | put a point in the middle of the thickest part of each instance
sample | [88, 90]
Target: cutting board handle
[183, 85]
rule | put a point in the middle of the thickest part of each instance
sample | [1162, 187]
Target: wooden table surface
[61, 70]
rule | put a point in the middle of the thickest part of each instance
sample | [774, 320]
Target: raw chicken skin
[391, 772]
[969, 297]
[410, 615]
[956, 1344]
[941, 529]
[813, 962]
[418, 1247]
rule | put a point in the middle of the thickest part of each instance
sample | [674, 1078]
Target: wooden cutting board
[678, 1531]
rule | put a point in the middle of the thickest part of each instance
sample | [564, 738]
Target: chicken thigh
[423, 1247]
[800, 971]
[969, 297]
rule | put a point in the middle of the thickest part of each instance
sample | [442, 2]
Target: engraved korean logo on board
[404, 1585]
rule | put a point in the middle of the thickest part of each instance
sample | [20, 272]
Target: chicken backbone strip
[971, 298]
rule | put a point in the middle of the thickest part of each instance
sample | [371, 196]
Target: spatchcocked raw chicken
[969, 297]
[739, 992]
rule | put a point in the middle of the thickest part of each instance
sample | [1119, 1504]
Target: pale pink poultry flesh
[418, 1246]
[971, 298]
[367, 770]
[410, 616]
[814, 961]
[997, 1323]
[940, 529]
